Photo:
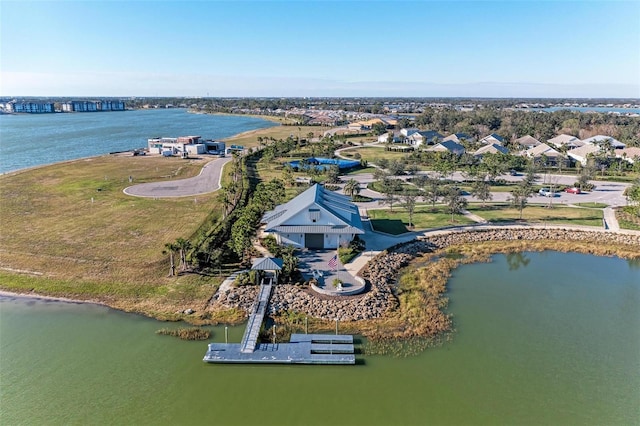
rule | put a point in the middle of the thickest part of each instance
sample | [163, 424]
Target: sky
[301, 48]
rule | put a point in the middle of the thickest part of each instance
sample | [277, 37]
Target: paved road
[206, 182]
[610, 193]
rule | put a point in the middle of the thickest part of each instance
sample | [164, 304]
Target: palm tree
[183, 245]
[352, 188]
[170, 250]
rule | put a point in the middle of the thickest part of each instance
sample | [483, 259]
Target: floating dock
[301, 349]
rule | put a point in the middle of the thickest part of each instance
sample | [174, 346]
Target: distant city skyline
[323, 48]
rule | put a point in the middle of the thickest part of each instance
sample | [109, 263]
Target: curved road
[206, 182]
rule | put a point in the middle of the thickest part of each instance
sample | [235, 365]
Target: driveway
[206, 182]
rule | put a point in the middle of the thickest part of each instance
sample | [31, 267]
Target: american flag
[333, 262]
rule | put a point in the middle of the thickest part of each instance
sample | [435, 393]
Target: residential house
[581, 153]
[458, 137]
[552, 156]
[493, 138]
[631, 154]
[385, 138]
[316, 219]
[601, 139]
[423, 137]
[527, 142]
[493, 148]
[449, 146]
[406, 132]
[569, 141]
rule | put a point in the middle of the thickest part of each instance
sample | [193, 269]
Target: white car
[546, 192]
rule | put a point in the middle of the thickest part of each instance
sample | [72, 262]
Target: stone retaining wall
[382, 271]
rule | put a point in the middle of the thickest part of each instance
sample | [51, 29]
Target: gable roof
[428, 134]
[630, 154]
[492, 136]
[563, 140]
[601, 138]
[541, 149]
[582, 152]
[493, 148]
[448, 145]
[267, 264]
[457, 137]
[337, 205]
[527, 140]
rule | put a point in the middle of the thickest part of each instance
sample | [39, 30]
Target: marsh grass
[192, 333]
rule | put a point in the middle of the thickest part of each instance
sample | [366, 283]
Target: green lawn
[592, 205]
[372, 153]
[539, 214]
[396, 222]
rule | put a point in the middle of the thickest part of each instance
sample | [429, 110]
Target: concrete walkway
[610, 220]
[206, 182]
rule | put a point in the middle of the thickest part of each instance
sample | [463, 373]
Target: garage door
[314, 241]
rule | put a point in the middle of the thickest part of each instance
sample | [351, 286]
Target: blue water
[32, 140]
[623, 111]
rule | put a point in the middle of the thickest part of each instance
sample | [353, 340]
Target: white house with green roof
[316, 219]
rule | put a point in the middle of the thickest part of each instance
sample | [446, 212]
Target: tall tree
[390, 189]
[170, 249]
[481, 190]
[519, 196]
[432, 191]
[183, 246]
[455, 202]
[409, 198]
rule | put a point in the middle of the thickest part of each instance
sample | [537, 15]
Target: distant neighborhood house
[492, 138]
[448, 146]
[493, 148]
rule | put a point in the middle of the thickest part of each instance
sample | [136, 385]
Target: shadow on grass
[389, 226]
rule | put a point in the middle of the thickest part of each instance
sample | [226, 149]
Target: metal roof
[315, 229]
[337, 205]
[267, 264]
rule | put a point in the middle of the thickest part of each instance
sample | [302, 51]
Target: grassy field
[539, 214]
[74, 233]
[372, 153]
[396, 222]
[250, 139]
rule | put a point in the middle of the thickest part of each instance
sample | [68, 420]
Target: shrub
[242, 279]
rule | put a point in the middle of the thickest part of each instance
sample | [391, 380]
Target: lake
[541, 338]
[28, 140]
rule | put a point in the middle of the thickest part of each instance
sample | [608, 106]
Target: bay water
[541, 338]
[28, 140]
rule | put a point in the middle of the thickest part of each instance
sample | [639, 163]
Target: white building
[316, 219]
[29, 107]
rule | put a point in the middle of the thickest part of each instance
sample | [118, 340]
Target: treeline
[512, 124]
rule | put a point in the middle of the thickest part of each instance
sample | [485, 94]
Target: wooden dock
[302, 349]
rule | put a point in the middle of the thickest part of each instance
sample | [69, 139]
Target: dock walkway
[251, 333]
[301, 349]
